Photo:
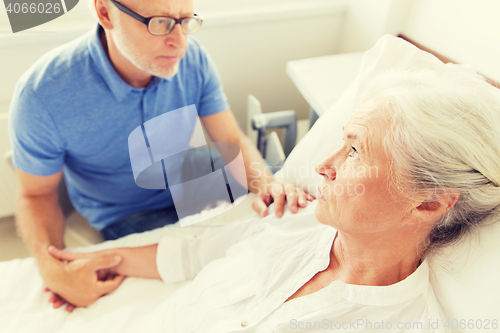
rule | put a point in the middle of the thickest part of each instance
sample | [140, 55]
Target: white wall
[8, 179]
[465, 31]
[367, 20]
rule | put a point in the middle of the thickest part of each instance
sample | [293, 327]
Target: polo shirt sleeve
[36, 144]
[213, 98]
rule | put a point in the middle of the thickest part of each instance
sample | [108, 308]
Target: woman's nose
[328, 167]
[326, 170]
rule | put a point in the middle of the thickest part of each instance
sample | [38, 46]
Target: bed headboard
[441, 57]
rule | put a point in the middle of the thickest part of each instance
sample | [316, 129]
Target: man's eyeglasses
[163, 25]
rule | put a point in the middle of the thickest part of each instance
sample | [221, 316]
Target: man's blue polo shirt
[72, 111]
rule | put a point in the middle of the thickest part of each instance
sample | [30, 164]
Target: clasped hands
[79, 279]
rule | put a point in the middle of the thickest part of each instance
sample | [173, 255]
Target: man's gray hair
[444, 136]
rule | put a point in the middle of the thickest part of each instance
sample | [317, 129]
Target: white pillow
[465, 276]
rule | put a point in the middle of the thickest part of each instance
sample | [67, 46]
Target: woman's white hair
[444, 135]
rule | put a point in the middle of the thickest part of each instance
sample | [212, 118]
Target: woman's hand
[86, 277]
[103, 274]
[278, 192]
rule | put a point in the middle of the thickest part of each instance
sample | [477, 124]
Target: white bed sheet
[24, 305]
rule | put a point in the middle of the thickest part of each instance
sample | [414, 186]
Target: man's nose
[176, 37]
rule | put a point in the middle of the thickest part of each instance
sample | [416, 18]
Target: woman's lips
[320, 195]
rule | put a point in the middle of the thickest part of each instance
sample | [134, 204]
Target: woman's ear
[434, 206]
[102, 10]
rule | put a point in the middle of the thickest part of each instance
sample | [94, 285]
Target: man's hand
[82, 280]
[278, 193]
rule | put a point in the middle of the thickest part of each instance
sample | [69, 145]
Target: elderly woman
[420, 166]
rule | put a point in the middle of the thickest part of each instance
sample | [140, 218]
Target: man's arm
[40, 222]
[222, 127]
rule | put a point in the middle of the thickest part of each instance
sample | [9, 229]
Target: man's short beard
[163, 72]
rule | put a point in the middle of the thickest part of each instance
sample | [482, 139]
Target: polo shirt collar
[119, 88]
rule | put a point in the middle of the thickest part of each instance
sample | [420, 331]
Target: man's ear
[434, 206]
[102, 10]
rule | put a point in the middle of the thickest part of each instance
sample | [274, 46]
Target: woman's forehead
[368, 116]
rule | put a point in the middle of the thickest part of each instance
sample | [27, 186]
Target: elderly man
[74, 110]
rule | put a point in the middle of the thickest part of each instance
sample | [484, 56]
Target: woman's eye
[354, 152]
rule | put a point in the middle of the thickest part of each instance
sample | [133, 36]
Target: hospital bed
[464, 276]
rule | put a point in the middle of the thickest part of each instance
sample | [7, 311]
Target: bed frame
[442, 57]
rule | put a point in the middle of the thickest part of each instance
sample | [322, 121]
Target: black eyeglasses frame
[146, 20]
